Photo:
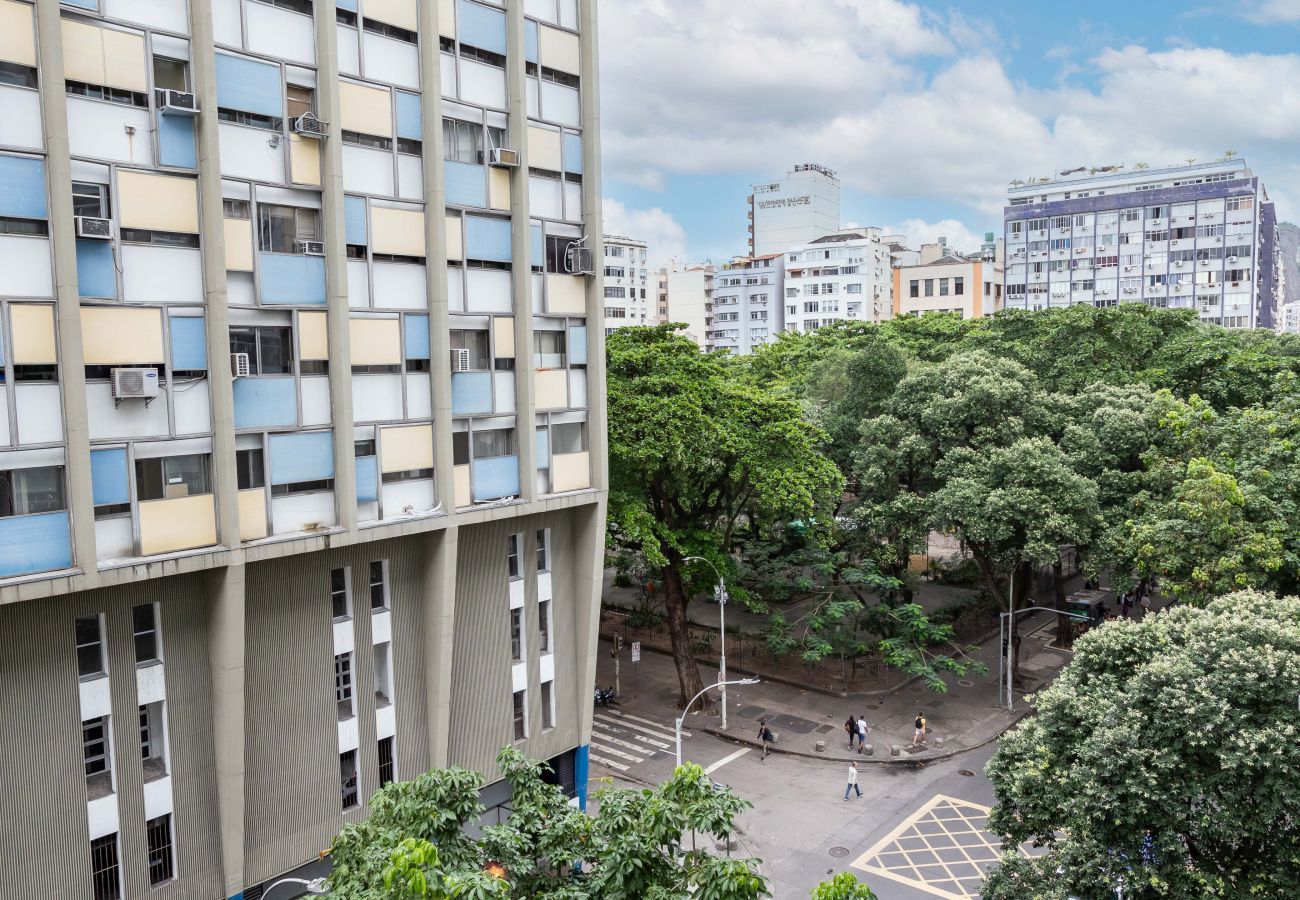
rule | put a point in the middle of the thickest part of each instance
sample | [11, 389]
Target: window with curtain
[462, 141]
[280, 228]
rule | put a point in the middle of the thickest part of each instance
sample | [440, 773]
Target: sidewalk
[965, 717]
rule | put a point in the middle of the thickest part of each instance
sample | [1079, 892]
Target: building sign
[785, 202]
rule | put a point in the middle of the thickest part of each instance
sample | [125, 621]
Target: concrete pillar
[588, 579]
[439, 645]
[63, 240]
[521, 242]
[594, 223]
[336, 273]
[226, 592]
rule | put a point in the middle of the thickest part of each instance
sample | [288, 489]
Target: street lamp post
[1007, 621]
[315, 887]
[687, 708]
[721, 591]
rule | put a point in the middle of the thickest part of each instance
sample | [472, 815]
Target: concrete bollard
[869, 749]
[728, 843]
[895, 750]
[938, 743]
[820, 746]
[776, 737]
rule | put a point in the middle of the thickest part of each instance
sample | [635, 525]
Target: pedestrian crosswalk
[620, 741]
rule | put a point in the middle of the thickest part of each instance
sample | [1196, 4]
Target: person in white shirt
[853, 781]
[862, 733]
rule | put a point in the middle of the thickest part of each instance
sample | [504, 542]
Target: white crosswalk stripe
[612, 751]
[606, 740]
[623, 723]
[667, 728]
[629, 738]
[609, 763]
[662, 745]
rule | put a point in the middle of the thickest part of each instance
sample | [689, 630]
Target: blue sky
[927, 109]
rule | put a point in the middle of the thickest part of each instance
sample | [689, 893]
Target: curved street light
[315, 887]
[687, 708]
[721, 591]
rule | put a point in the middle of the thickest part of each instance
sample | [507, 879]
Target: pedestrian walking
[853, 781]
[919, 736]
[851, 729]
[1128, 604]
[862, 733]
[764, 735]
[1146, 604]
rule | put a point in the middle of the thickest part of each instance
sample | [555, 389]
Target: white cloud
[918, 232]
[664, 236]
[1270, 11]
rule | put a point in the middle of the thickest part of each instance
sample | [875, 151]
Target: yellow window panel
[503, 331]
[544, 149]
[121, 336]
[551, 389]
[179, 524]
[252, 514]
[239, 244]
[499, 189]
[313, 336]
[399, 232]
[464, 495]
[455, 238]
[566, 294]
[401, 13]
[32, 330]
[375, 342]
[366, 109]
[157, 202]
[559, 50]
[17, 34]
[570, 472]
[447, 18]
[406, 448]
[304, 159]
[103, 56]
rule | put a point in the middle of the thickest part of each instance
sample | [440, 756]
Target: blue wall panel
[539, 247]
[408, 117]
[543, 444]
[96, 273]
[354, 220]
[265, 402]
[578, 345]
[481, 27]
[573, 153]
[466, 184]
[176, 142]
[417, 337]
[108, 478]
[292, 278]
[22, 187]
[487, 238]
[581, 768]
[496, 477]
[471, 393]
[367, 479]
[304, 456]
[530, 41]
[347, 4]
[189, 343]
[249, 86]
[34, 544]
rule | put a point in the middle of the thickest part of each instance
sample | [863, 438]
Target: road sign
[636, 651]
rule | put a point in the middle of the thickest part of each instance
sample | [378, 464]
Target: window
[959, 287]
[170, 74]
[378, 588]
[520, 717]
[339, 600]
[159, 831]
[391, 31]
[475, 343]
[94, 746]
[17, 75]
[269, 348]
[548, 705]
[462, 142]
[568, 437]
[943, 287]
[512, 556]
[386, 768]
[252, 120]
[348, 780]
[145, 623]
[105, 878]
[543, 556]
[373, 141]
[280, 228]
[90, 647]
[152, 741]
[299, 101]
[544, 626]
[108, 94]
[343, 685]
[516, 634]
[89, 199]
[172, 477]
[494, 443]
[26, 492]
[929, 287]
[236, 209]
[250, 469]
[549, 350]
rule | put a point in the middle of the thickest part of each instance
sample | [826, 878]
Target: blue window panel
[481, 27]
[108, 477]
[96, 273]
[22, 187]
[34, 544]
[354, 220]
[530, 42]
[347, 4]
[176, 142]
[82, 4]
[408, 117]
[573, 153]
[466, 184]
[249, 86]
[496, 477]
[487, 239]
[539, 247]
[367, 479]
[417, 337]
[578, 345]
[290, 278]
[265, 402]
[304, 456]
[189, 343]
[471, 392]
[543, 444]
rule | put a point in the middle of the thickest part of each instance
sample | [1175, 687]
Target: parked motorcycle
[605, 697]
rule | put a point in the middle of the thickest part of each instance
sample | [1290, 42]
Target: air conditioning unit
[503, 158]
[460, 359]
[178, 103]
[579, 260]
[1232, 259]
[311, 248]
[239, 367]
[94, 229]
[134, 384]
[310, 126]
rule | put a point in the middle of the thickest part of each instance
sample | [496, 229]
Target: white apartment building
[844, 275]
[629, 296]
[688, 298]
[747, 304]
[1198, 237]
[801, 207]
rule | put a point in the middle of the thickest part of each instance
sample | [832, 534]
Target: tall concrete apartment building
[687, 298]
[843, 275]
[302, 454]
[801, 207]
[629, 294]
[748, 304]
[1200, 236]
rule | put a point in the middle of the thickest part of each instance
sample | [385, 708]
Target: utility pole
[618, 647]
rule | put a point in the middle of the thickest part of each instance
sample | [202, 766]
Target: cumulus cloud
[918, 232]
[1270, 11]
[664, 236]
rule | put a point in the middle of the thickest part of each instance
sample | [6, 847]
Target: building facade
[629, 295]
[844, 275]
[688, 299]
[801, 207]
[747, 303]
[952, 284]
[302, 460]
[1200, 237]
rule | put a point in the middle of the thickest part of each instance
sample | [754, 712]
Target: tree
[844, 886]
[1162, 761]
[693, 450]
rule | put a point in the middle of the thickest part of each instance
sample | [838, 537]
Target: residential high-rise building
[302, 455]
[629, 295]
[688, 299]
[747, 303]
[1199, 236]
[801, 207]
[844, 275]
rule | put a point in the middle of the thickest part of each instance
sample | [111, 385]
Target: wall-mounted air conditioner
[134, 384]
[177, 103]
[310, 126]
[460, 359]
[239, 367]
[578, 260]
[311, 248]
[94, 229]
[503, 158]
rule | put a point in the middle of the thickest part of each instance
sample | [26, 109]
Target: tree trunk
[688, 673]
[1064, 624]
[1021, 577]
